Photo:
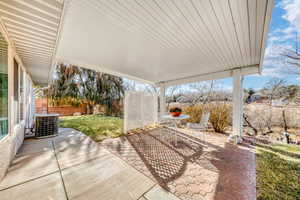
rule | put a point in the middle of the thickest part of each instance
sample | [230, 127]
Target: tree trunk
[285, 126]
[209, 93]
[269, 123]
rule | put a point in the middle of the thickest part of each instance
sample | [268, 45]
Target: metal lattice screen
[140, 110]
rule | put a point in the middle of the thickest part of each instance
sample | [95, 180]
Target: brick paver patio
[194, 169]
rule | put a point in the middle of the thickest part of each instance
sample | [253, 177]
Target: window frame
[19, 90]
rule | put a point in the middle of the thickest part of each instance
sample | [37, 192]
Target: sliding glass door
[3, 87]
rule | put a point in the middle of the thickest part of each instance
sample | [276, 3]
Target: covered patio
[167, 43]
[161, 43]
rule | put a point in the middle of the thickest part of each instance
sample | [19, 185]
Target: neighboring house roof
[260, 94]
[257, 94]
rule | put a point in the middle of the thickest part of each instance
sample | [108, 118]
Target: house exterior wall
[6, 147]
[10, 143]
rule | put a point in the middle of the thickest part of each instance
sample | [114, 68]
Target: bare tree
[273, 88]
[249, 123]
[129, 85]
[203, 92]
[209, 93]
[171, 95]
[297, 97]
[137, 86]
[293, 58]
[292, 91]
[151, 89]
[257, 119]
[284, 120]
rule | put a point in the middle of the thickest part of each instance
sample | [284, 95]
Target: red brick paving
[192, 170]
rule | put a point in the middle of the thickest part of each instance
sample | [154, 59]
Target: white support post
[238, 95]
[162, 100]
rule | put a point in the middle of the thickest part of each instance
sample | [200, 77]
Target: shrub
[220, 116]
[65, 101]
[195, 113]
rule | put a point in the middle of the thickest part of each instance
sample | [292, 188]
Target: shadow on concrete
[164, 159]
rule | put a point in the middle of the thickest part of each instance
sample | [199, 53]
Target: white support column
[237, 119]
[162, 99]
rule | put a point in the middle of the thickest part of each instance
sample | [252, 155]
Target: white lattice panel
[140, 109]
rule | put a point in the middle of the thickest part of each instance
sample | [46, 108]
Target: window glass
[3, 87]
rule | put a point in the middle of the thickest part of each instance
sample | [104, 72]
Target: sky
[284, 24]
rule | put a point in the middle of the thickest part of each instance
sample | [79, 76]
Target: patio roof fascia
[268, 14]
[102, 69]
[253, 69]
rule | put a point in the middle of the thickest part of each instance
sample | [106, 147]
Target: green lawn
[96, 126]
[278, 172]
[294, 149]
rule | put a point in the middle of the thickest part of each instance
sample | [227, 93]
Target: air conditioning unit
[46, 125]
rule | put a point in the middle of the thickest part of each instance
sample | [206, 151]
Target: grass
[295, 149]
[96, 126]
[278, 172]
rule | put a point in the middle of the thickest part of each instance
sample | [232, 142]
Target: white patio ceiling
[155, 41]
[32, 27]
[165, 41]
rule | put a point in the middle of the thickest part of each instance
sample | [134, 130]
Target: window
[16, 93]
[21, 92]
[3, 87]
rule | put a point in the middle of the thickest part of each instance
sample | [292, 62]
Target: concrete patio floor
[72, 166]
[195, 169]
